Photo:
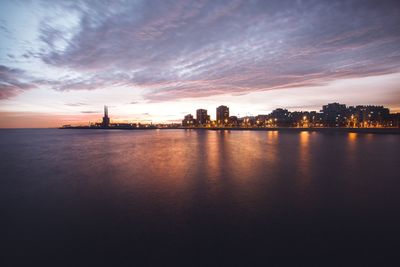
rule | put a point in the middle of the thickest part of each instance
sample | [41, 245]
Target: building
[248, 121]
[202, 117]
[393, 120]
[106, 120]
[234, 121]
[188, 120]
[331, 115]
[371, 116]
[261, 120]
[222, 115]
[280, 117]
[334, 114]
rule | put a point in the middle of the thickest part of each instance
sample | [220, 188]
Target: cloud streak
[13, 82]
[189, 49]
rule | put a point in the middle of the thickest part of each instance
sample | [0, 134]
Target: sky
[156, 61]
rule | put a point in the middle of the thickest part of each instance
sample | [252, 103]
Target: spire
[106, 119]
[105, 111]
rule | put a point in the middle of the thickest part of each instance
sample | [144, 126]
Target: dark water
[198, 198]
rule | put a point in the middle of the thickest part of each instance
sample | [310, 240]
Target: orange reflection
[243, 151]
[304, 154]
[272, 135]
[352, 140]
[352, 137]
[304, 138]
[272, 147]
[248, 155]
[213, 159]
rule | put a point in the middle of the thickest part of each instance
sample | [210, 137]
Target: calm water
[89, 197]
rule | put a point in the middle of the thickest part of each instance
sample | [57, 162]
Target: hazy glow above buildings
[61, 61]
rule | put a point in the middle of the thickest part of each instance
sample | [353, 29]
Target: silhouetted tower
[106, 119]
[201, 116]
[222, 115]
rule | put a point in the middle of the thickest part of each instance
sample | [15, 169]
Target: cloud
[187, 49]
[12, 82]
[76, 104]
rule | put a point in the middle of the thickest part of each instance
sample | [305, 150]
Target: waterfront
[199, 197]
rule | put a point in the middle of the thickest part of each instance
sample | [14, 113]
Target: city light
[333, 115]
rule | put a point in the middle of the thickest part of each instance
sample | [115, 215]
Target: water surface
[158, 197]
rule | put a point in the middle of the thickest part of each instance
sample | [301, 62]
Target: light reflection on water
[304, 156]
[352, 149]
[220, 188]
[175, 164]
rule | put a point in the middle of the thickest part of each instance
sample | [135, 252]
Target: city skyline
[154, 61]
[331, 115]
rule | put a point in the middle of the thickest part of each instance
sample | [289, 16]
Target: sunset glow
[155, 61]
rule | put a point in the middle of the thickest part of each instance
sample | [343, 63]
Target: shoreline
[283, 129]
[325, 130]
